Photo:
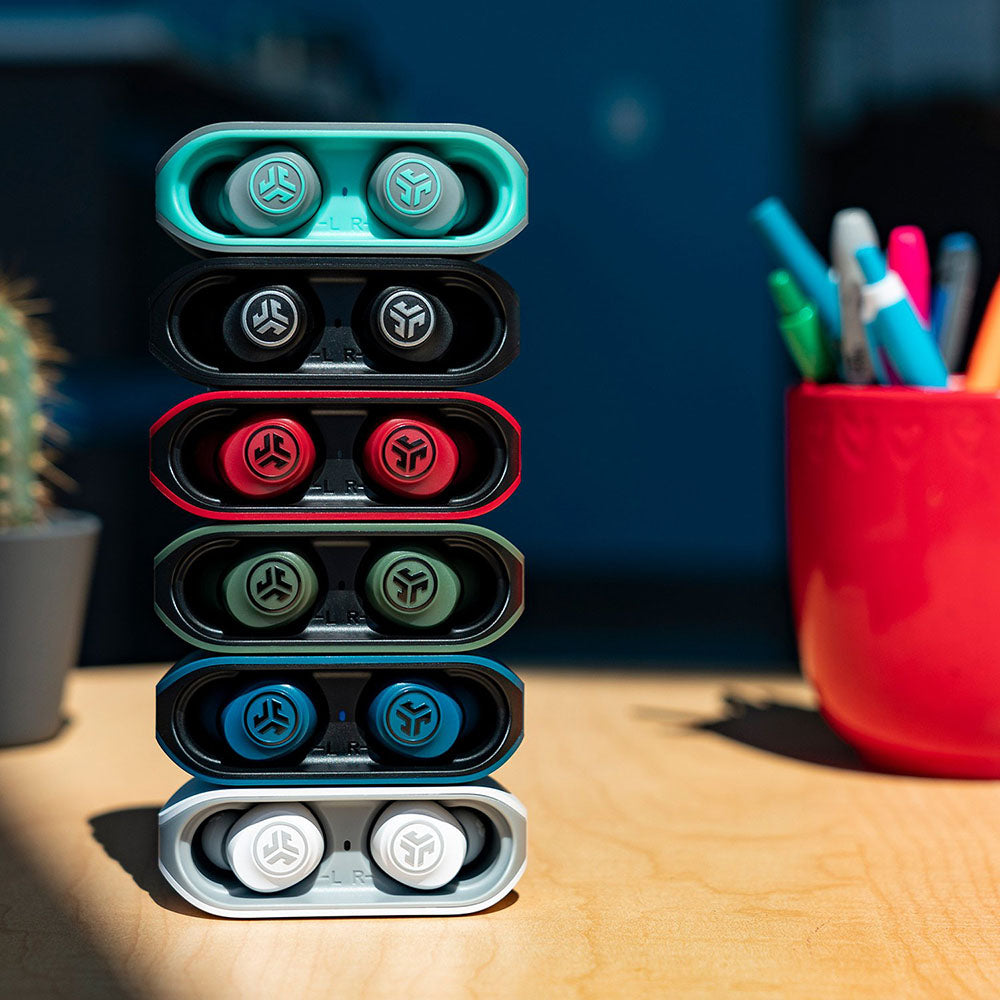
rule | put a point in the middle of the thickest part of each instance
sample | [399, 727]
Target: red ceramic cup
[894, 555]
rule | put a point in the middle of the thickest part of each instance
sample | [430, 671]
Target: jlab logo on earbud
[277, 186]
[408, 453]
[270, 719]
[271, 452]
[411, 585]
[272, 585]
[278, 848]
[413, 719]
[269, 319]
[413, 187]
[406, 319]
[417, 847]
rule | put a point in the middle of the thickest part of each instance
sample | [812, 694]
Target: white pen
[853, 228]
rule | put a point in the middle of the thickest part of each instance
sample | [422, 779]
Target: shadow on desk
[129, 836]
[774, 726]
[45, 951]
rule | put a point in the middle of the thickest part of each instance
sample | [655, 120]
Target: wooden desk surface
[701, 837]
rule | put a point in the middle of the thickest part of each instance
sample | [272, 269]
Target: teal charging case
[344, 158]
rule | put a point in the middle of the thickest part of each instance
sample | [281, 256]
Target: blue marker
[958, 273]
[801, 259]
[893, 325]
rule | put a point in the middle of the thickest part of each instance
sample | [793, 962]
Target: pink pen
[907, 256]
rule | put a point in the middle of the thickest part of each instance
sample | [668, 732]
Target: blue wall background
[650, 382]
[649, 387]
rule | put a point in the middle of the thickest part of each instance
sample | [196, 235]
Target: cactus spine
[27, 377]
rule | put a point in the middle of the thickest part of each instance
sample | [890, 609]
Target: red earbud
[411, 457]
[267, 455]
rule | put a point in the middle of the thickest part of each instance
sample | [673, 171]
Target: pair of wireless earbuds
[409, 588]
[272, 454]
[413, 718]
[277, 190]
[272, 321]
[274, 846]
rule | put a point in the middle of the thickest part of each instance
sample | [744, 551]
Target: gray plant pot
[44, 582]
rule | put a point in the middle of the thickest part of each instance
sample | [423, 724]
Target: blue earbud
[416, 719]
[268, 720]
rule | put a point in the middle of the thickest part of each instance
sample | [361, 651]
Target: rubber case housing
[188, 575]
[185, 439]
[344, 156]
[347, 883]
[343, 749]
[339, 346]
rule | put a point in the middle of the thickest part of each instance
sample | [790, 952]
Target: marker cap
[800, 258]
[851, 228]
[907, 256]
[871, 260]
[787, 295]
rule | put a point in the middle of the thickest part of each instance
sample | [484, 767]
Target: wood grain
[689, 836]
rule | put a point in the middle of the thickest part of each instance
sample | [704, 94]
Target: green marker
[799, 325]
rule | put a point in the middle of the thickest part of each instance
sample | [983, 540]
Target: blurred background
[651, 376]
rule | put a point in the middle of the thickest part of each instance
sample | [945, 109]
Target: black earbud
[266, 323]
[411, 325]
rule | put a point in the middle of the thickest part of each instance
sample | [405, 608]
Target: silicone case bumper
[344, 157]
[346, 882]
[340, 344]
[346, 745]
[186, 444]
[339, 617]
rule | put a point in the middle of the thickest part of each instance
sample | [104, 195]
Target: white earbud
[270, 847]
[423, 845]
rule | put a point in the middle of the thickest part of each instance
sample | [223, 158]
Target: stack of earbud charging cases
[338, 729]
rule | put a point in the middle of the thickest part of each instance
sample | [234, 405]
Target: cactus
[28, 374]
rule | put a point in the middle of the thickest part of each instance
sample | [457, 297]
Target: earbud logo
[411, 585]
[270, 719]
[278, 849]
[408, 453]
[271, 452]
[273, 585]
[413, 719]
[269, 319]
[413, 187]
[417, 848]
[277, 186]
[406, 319]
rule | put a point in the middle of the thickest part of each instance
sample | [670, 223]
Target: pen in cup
[957, 274]
[853, 228]
[983, 374]
[800, 329]
[906, 252]
[894, 326]
[801, 259]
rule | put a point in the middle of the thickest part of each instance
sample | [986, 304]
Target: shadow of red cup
[894, 558]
